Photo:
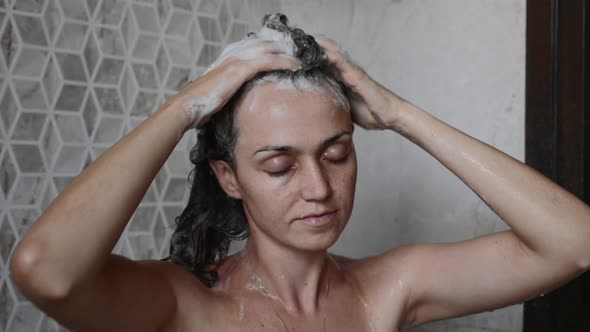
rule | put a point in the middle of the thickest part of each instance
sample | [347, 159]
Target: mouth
[317, 220]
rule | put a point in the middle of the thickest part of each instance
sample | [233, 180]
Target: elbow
[579, 263]
[584, 264]
[583, 254]
[27, 273]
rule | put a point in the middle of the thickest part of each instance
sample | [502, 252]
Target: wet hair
[212, 219]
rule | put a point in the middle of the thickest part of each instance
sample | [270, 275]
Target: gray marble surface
[77, 75]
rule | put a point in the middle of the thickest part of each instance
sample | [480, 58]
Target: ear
[226, 178]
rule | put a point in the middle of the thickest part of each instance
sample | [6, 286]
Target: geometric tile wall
[77, 75]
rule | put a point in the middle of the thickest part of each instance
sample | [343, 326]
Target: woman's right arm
[64, 263]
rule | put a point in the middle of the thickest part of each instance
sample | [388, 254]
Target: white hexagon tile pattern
[77, 75]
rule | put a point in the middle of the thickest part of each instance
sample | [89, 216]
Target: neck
[297, 279]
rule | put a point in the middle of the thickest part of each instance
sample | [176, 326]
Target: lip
[318, 219]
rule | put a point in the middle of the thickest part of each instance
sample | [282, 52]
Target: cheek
[265, 196]
[344, 177]
[344, 185]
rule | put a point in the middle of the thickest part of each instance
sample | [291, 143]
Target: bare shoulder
[193, 299]
[382, 281]
[179, 277]
[374, 270]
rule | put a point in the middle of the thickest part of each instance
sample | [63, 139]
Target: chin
[318, 241]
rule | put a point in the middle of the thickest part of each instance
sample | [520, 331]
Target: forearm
[78, 231]
[549, 220]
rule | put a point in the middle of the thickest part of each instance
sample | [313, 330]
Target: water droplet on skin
[362, 300]
[241, 311]
[397, 288]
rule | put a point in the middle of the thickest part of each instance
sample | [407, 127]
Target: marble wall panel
[75, 76]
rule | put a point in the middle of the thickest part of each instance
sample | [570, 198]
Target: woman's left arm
[550, 221]
[549, 241]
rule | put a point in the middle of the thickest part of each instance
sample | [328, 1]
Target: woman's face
[296, 166]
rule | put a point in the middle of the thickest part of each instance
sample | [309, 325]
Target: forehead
[273, 114]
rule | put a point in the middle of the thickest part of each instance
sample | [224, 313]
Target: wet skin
[295, 158]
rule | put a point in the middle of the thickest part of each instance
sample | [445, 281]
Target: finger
[362, 116]
[350, 72]
[241, 47]
[340, 57]
[256, 47]
[327, 44]
[278, 47]
[252, 49]
[336, 55]
[270, 62]
[335, 58]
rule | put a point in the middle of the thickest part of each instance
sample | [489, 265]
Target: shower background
[77, 75]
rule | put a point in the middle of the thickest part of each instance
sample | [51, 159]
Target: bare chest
[343, 311]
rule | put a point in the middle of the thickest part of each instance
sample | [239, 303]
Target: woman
[284, 163]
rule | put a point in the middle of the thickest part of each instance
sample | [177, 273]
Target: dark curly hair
[212, 219]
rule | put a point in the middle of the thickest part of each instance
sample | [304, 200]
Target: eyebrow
[284, 148]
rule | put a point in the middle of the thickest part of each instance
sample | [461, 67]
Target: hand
[238, 63]
[373, 105]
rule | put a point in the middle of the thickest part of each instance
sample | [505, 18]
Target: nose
[315, 183]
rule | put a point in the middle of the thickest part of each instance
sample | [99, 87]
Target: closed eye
[338, 152]
[278, 165]
[340, 160]
[279, 173]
